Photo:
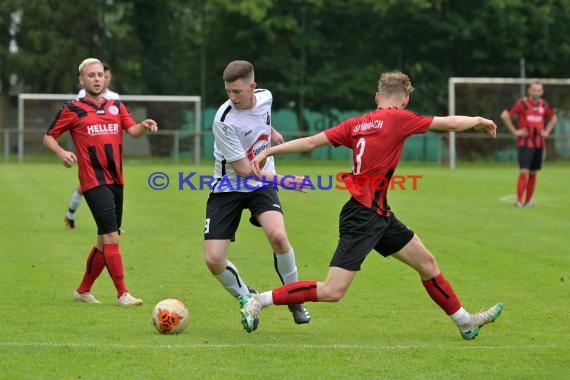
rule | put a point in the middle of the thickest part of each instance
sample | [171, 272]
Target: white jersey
[107, 94]
[239, 134]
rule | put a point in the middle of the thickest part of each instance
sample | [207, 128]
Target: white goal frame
[197, 100]
[453, 81]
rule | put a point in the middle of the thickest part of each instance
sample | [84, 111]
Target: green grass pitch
[385, 328]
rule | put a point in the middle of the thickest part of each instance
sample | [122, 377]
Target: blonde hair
[87, 62]
[395, 83]
[239, 70]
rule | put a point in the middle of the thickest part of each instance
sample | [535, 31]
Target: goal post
[490, 94]
[192, 103]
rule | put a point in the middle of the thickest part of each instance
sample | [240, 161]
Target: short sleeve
[415, 124]
[62, 122]
[548, 111]
[127, 120]
[340, 134]
[228, 142]
[517, 109]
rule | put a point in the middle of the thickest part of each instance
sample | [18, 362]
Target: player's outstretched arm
[243, 169]
[66, 157]
[458, 123]
[139, 129]
[305, 144]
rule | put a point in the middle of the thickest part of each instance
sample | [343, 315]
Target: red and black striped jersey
[376, 139]
[531, 115]
[97, 132]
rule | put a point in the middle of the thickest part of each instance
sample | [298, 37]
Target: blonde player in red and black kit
[531, 113]
[96, 126]
[77, 195]
[366, 222]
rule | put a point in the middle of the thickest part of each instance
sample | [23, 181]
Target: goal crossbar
[453, 81]
[196, 100]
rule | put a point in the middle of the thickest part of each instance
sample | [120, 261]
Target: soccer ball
[170, 316]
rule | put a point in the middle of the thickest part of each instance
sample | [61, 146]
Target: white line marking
[512, 198]
[468, 346]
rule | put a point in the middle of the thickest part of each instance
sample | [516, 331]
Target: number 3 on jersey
[360, 145]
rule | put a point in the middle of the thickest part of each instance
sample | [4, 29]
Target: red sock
[295, 293]
[521, 185]
[114, 263]
[442, 293]
[530, 185]
[95, 265]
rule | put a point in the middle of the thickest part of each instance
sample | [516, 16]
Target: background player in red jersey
[531, 113]
[366, 220]
[96, 126]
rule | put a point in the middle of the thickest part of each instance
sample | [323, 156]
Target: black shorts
[362, 230]
[223, 211]
[106, 205]
[530, 158]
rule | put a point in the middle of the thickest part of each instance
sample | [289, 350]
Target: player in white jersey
[238, 134]
[77, 195]
[242, 128]
[107, 94]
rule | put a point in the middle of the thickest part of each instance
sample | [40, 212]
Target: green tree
[167, 50]
[313, 54]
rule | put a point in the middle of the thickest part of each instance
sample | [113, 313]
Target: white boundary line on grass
[512, 198]
[277, 346]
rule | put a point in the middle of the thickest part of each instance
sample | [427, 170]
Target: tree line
[314, 54]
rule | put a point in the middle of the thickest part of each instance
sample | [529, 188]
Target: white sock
[285, 266]
[231, 281]
[74, 203]
[460, 317]
[265, 298]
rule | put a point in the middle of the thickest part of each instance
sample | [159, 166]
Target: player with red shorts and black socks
[531, 113]
[96, 126]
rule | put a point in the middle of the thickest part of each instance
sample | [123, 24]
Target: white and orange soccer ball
[170, 316]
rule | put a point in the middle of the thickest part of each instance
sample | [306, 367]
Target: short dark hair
[238, 70]
[106, 67]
